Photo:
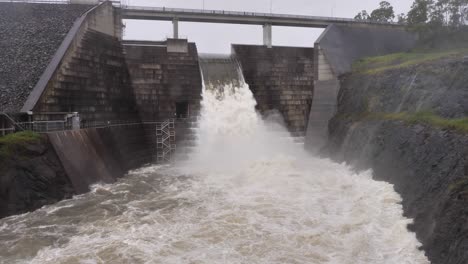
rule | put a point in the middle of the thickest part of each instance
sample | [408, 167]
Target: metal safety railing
[164, 138]
[46, 126]
[8, 125]
[6, 131]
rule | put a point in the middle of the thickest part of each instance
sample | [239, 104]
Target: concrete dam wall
[88, 69]
[88, 73]
[162, 79]
[94, 82]
[281, 79]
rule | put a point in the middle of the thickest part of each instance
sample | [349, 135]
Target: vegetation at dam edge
[374, 65]
[423, 117]
[13, 143]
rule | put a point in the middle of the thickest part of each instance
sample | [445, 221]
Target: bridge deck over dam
[267, 20]
[233, 17]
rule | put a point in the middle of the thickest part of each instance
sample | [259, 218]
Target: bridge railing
[124, 5]
[252, 14]
[46, 126]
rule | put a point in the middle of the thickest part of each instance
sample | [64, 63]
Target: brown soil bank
[31, 174]
[405, 116]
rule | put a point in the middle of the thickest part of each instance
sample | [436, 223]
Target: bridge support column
[267, 35]
[175, 27]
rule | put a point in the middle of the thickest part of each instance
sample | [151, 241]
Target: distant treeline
[438, 22]
[453, 13]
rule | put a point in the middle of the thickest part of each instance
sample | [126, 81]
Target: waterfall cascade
[245, 195]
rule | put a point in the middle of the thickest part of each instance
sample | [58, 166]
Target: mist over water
[248, 194]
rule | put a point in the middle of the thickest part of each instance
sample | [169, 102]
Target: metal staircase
[165, 141]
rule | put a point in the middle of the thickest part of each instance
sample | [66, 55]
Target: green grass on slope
[12, 142]
[372, 65]
[428, 118]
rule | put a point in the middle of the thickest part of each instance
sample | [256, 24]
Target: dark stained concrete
[282, 79]
[94, 82]
[102, 155]
[29, 37]
[160, 79]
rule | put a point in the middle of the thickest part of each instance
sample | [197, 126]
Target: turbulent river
[248, 194]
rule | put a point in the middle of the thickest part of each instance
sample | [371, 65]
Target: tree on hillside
[453, 13]
[402, 19]
[363, 15]
[452, 9]
[384, 13]
[419, 12]
[458, 12]
[440, 23]
[438, 14]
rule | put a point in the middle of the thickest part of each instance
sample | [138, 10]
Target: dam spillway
[246, 195]
[90, 104]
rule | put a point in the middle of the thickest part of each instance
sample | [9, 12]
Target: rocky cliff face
[31, 174]
[425, 158]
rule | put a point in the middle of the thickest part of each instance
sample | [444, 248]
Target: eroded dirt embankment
[406, 118]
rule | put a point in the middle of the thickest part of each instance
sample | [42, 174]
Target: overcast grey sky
[216, 38]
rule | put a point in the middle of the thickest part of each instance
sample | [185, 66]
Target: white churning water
[248, 195]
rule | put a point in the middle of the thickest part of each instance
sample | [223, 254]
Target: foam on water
[246, 196]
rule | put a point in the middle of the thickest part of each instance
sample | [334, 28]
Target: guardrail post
[3, 127]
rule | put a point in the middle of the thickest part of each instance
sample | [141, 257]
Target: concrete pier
[175, 28]
[267, 35]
